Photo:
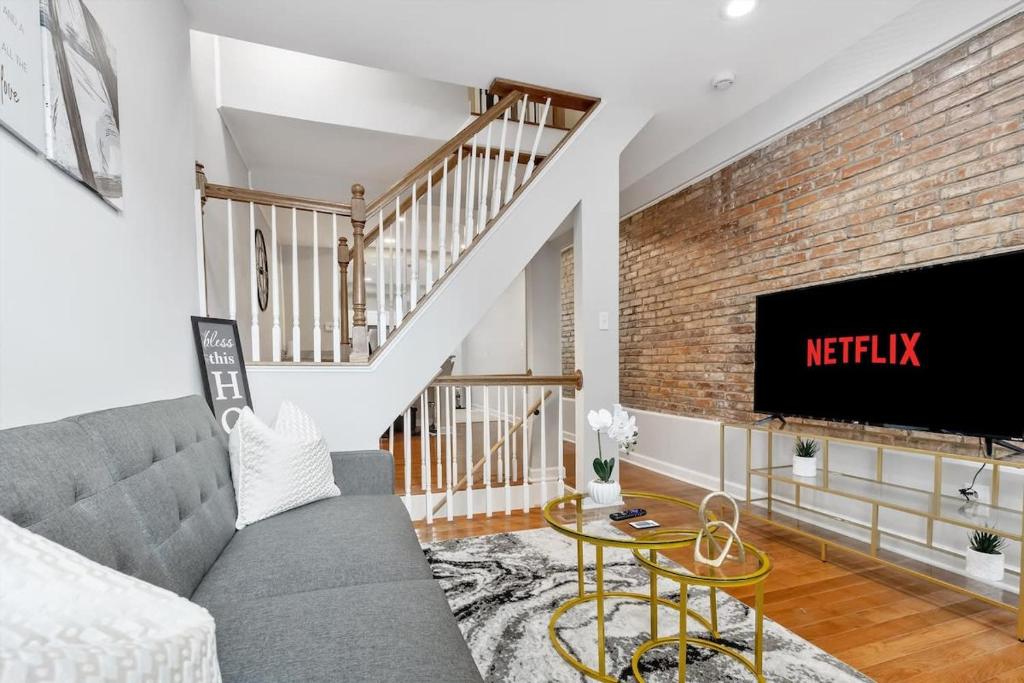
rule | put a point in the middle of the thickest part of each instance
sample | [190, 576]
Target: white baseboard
[683, 474]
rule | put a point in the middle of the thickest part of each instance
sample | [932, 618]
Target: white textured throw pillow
[278, 468]
[64, 617]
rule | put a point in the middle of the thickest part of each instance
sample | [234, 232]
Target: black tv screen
[937, 348]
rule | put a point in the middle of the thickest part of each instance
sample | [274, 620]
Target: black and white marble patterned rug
[503, 589]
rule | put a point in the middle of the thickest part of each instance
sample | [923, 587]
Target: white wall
[497, 344]
[217, 151]
[95, 304]
[544, 330]
[274, 81]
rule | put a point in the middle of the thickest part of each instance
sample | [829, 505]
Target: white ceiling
[656, 54]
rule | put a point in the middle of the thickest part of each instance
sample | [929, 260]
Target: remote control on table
[627, 514]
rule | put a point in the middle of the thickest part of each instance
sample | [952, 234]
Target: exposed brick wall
[566, 300]
[927, 167]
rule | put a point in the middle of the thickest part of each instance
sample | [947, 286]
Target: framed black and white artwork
[222, 368]
[21, 93]
[82, 121]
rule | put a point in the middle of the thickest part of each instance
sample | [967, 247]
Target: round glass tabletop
[735, 569]
[677, 520]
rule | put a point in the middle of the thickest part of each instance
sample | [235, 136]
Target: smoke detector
[723, 81]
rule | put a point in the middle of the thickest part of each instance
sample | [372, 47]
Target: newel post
[343, 261]
[360, 339]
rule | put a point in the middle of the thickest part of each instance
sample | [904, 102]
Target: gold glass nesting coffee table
[752, 570]
[567, 516]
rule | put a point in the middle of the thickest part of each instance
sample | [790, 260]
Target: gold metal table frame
[712, 583]
[663, 539]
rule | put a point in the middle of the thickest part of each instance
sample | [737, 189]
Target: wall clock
[262, 271]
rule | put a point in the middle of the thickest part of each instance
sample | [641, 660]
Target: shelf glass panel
[933, 563]
[951, 510]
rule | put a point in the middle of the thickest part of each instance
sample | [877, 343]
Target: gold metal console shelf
[877, 494]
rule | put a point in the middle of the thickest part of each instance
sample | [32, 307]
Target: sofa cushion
[278, 468]
[343, 541]
[145, 489]
[397, 631]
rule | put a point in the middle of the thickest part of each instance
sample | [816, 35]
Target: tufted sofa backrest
[145, 489]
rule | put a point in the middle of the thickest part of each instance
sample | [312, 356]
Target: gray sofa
[337, 590]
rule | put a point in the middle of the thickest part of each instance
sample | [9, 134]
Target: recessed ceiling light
[734, 9]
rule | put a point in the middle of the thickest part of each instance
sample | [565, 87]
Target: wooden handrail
[448, 148]
[573, 380]
[421, 190]
[559, 98]
[513, 429]
[284, 201]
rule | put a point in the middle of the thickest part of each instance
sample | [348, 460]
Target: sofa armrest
[364, 472]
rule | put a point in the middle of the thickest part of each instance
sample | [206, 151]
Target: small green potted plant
[985, 556]
[805, 458]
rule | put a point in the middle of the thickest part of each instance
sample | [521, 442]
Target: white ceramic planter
[985, 566]
[604, 493]
[805, 467]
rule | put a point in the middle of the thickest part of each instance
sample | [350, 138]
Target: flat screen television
[937, 348]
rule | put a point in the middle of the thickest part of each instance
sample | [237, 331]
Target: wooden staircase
[390, 254]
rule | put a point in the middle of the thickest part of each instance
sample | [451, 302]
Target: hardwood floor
[887, 624]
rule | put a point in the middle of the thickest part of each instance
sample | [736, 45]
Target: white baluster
[469, 457]
[527, 448]
[514, 161]
[442, 225]
[274, 284]
[414, 253]
[487, 451]
[455, 431]
[437, 449]
[424, 443]
[536, 142]
[398, 263]
[561, 447]
[407, 449]
[484, 184]
[507, 455]
[424, 456]
[254, 298]
[296, 331]
[391, 440]
[430, 233]
[543, 451]
[382, 327]
[515, 440]
[499, 164]
[317, 342]
[232, 301]
[470, 196]
[335, 294]
[457, 208]
[500, 429]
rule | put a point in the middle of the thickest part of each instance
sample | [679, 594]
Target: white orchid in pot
[620, 426]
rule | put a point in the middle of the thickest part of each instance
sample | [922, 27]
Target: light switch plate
[602, 320]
